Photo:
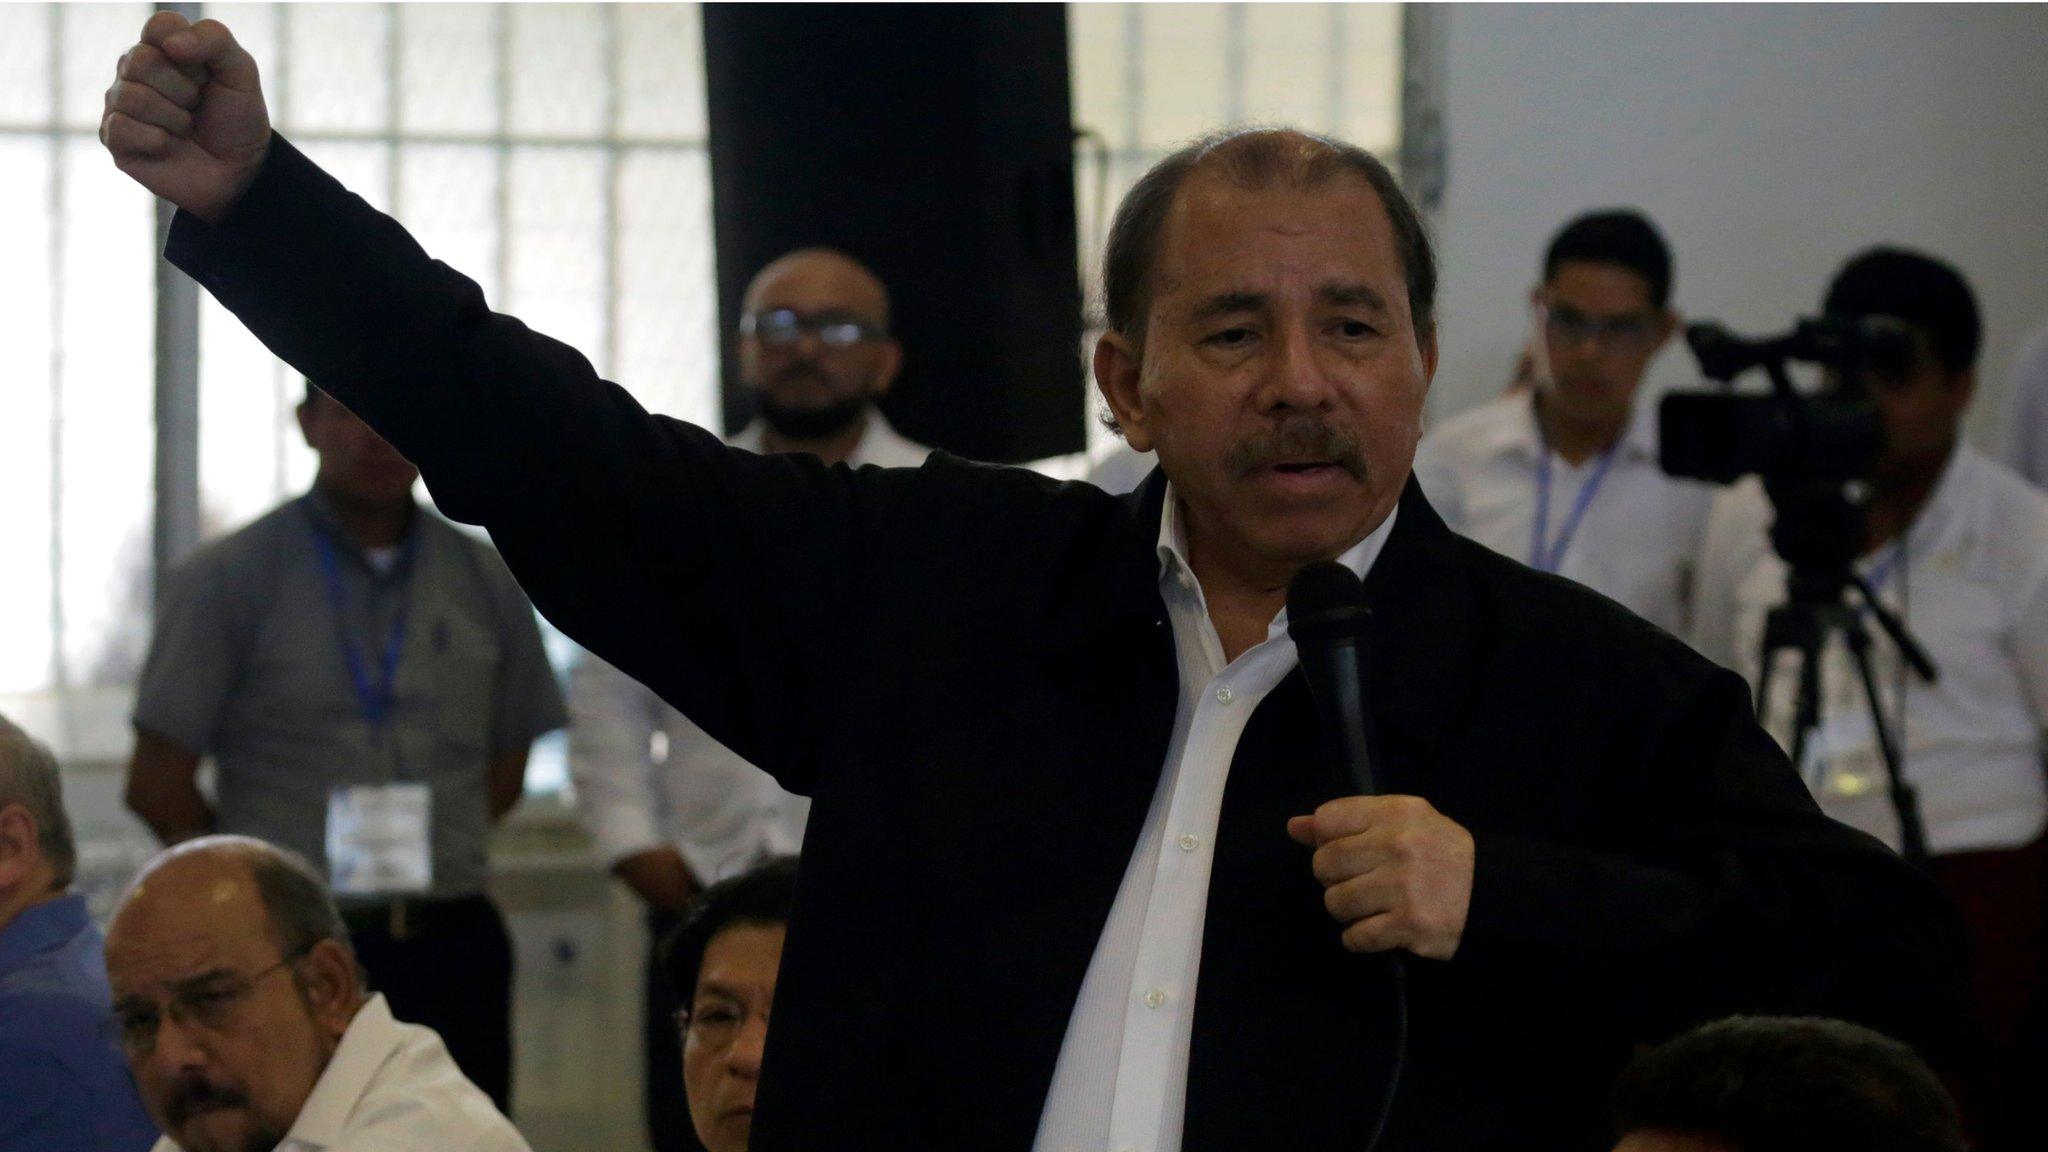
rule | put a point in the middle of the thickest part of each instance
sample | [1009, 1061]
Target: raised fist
[185, 117]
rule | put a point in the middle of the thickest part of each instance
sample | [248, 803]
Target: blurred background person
[63, 1086]
[670, 808]
[1957, 545]
[245, 1017]
[368, 680]
[1563, 475]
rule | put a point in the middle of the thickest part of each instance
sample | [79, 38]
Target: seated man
[722, 962]
[1760, 1084]
[232, 1057]
[65, 1089]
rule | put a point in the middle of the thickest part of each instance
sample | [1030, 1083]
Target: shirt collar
[1521, 435]
[1173, 543]
[40, 928]
[321, 512]
[371, 1038]
[880, 443]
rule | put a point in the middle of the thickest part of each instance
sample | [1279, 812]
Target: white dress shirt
[646, 776]
[1973, 588]
[391, 1087]
[1636, 540]
[1121, 1079]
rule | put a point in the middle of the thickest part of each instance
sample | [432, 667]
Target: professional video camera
[1816, 453]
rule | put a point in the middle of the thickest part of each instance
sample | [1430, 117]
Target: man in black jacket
[1056, 742]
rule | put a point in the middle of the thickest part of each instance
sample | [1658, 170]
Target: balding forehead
[817, 279]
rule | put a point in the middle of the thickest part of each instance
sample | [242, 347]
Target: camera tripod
[1816, 605]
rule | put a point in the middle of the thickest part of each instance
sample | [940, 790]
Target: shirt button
[1224, 695]
[1154, 998]
[1188, 842]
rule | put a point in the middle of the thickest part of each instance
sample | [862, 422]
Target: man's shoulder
[419, 1101]
[247, 551]
[1480, 431]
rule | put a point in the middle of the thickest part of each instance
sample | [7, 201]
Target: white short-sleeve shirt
[1972, 586]
[1636, 540]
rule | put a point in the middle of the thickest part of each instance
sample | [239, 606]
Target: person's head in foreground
[815, 348]
[1922, 397]
[1271, 306]
[233, 983]
[722, 961]
[1777, 1084]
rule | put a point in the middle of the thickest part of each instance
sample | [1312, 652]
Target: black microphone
[1332, 631]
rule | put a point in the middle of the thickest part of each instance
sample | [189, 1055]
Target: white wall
[1769, 142]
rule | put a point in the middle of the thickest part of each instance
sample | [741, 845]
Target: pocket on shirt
[465, 676]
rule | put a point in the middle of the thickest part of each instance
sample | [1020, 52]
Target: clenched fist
[1395, 871]
[185, 117]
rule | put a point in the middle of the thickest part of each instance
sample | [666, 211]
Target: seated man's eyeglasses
[1569, 326]
[782, 327]
[205, 1002]
[715, 1022]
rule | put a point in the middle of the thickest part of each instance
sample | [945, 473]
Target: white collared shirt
[880, 443]
[391, 1087]
[1121, 1080]
[1638, 539]
[646, 776]
[1973, 588]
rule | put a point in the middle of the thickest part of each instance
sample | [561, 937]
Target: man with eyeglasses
[244, 1017]
[1563, 476]
[63, 1087]
[1957, 544]
[670, 807]
[721, 964]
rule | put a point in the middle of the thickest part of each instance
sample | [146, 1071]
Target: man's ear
[1667, 323]
[1119, 369]
[307, 417]
[329, 981]
[19, 846]
[886, 371]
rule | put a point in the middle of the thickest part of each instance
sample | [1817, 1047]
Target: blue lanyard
[377, 697]
[1548, 557]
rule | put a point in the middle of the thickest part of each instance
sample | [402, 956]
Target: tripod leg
[1905, 798]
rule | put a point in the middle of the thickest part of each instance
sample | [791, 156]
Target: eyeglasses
[208, 1006]
[715, 1024]
[781, 327]
[1570, 326]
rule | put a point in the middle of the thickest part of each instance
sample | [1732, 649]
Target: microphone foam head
[1325, 601]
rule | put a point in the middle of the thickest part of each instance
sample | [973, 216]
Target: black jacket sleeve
[713, 575]
[1741, 898]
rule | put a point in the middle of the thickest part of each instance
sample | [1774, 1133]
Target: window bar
[176, 528]
[284, 380]
[502, 152]
[607, 352]
[1134, 80]
[392, 84]
[60, 666]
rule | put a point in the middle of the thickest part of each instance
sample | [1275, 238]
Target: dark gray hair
[29, 777]
[1785, 1084]
[1254, 158]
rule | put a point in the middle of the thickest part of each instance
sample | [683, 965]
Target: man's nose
[744, 1057]
[1294, 373]
[177, 1049]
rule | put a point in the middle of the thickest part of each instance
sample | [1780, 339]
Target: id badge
[377, 839]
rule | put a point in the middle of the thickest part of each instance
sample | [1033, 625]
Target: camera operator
[1957, 544]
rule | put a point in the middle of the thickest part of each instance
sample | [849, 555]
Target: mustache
[193, 1096]
[1303, 437]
